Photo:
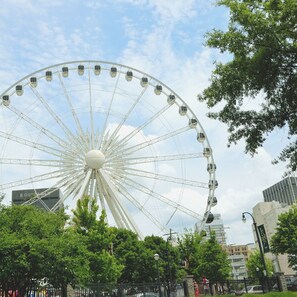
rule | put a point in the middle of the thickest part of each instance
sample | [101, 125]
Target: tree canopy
[213, 261]
[261, 40]
[35, 245]
[204, 257]
[285, 238]
[104, 267]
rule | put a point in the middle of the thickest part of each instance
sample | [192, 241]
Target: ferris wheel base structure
[114, 133]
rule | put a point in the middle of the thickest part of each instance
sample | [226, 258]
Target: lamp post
[157, 258]
[259, 242]
[169, 280]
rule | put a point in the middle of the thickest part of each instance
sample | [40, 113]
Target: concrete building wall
[266, 213]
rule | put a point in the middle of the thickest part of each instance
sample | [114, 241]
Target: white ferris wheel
[112, 132]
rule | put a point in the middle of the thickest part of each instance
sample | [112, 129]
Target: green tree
[129, 252]
[285, 238]
[189, 245]
[104, 267]
[261, 40]
[170, 260]
[255, 266]
[213, 261]
[85, 214]
[66, 260]
[28, 248]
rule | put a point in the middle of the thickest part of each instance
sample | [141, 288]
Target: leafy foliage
[34, 245]
[104, 267]
[285, 238]
[255, 266]
[170, 258]
[213, 261]
[261, 39]
[189, 245]
[128, 251]
[204, 257]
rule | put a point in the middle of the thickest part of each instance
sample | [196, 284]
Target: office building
[284, 192]
[47, 202]
[218, 228]
[238, 255]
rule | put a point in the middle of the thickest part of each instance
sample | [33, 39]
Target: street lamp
[157, 258]
[169, 280]
[258, 239]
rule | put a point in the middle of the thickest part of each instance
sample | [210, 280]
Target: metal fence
[103, 290]
[236, 287]
[247, 285]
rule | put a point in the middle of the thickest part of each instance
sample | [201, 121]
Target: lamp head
[156, 257]
[243, 218]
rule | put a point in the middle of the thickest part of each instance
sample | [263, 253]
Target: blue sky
[164, 38]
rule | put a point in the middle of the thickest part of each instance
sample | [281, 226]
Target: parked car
[292, 284]
[146, 294]
[255, 289]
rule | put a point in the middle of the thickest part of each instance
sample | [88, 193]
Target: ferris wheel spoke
[83, 189]
[117, 213]
[123, 141]
[119, 207]
[109, 109]
[40, 128]
[115, 132]
[31, 144]
[92, 187]
[99, 187]
[64, 128]
[74, 115]
[150, 192]
[37, 178]
[67, 194]
[92, 142]
[140, 207]
[132, 149]
[63, 182]
[35, 162]
[73, 186]
[50, 163]
[176, 180]
[153, 159]
[39, 197]
[32, 201]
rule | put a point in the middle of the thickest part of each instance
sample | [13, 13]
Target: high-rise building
[47, 202]
[284, 192]
[217, 227]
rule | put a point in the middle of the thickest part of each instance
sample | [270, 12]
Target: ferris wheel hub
[95, 159]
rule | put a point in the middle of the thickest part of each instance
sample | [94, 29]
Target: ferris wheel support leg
[84, 186]
[119, 207]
